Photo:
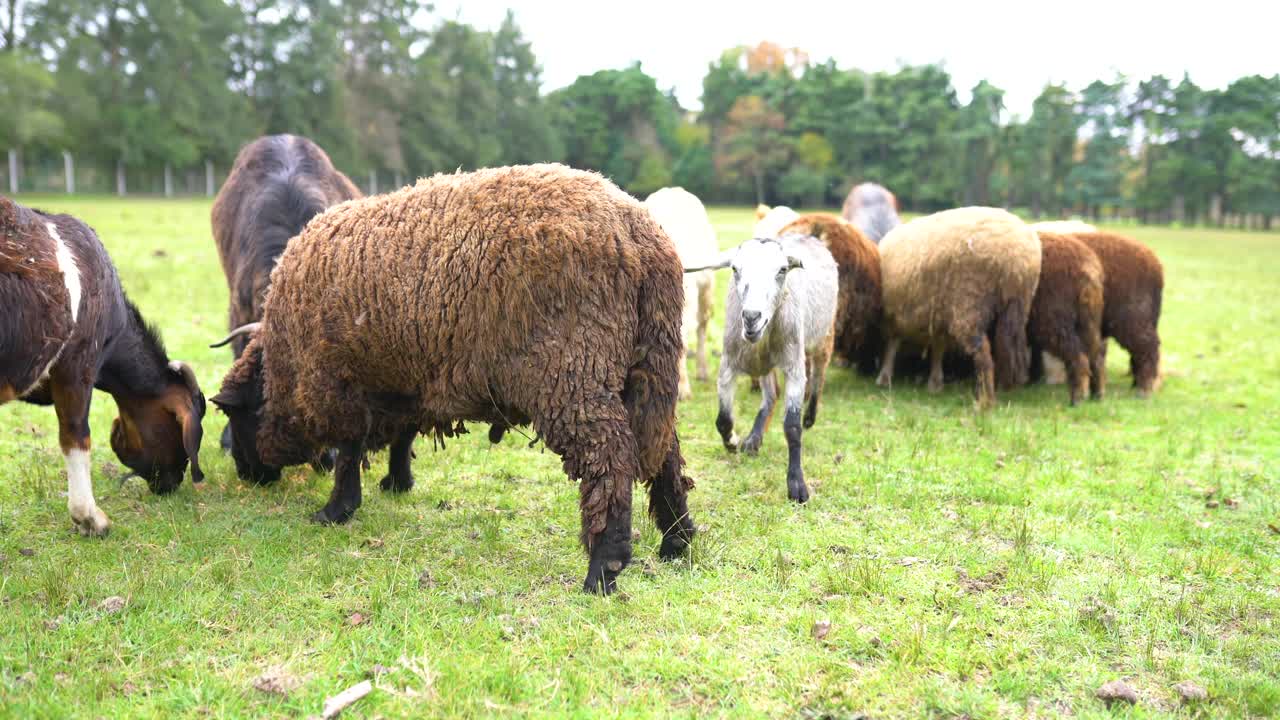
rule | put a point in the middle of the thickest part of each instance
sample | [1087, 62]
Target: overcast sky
[1018, 46]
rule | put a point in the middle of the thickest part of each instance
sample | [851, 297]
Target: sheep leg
[1098, 371]
[668, 505]
[791, 425]
[704, 317]
[71, 403]
[1144, 362]
[345, 497]
[886, 366]
[817, 378]
[685, 390]
[602, 452]
[727, 387]
[937, 351]
[768, 397]
[399, 477]
[984, 370]
[1078, 374]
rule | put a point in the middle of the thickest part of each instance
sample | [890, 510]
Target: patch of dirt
[1117, 691]
[820, 629]
[112, 605]
[1191, 692]
[1095, 610]
[972, 585]
[277, 681]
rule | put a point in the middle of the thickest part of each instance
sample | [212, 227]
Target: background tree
[753, 145]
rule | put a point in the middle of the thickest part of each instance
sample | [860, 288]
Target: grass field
[1004, 565]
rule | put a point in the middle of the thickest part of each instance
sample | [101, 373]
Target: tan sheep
[962, 278]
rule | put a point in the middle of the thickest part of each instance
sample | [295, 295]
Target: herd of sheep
[544, 296]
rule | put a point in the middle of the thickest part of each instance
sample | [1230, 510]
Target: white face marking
[70, 271]
[759, 273]
[79, 488]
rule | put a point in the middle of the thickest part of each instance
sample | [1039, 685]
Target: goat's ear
[189, 416]
[794, 263]
[722, 261]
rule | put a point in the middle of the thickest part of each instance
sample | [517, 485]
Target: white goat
[770, 223]
[779, 314]
[684, 219]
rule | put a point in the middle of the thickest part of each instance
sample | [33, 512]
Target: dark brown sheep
[278, 183]
[535, 294]
[67, 328]
[1066, 314]
[860, 299]
[1132, 296]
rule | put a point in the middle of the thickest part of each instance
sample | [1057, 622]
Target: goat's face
[242, 400]
[157, 436]
[760, 270]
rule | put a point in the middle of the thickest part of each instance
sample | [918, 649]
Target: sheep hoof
[600, 583]
[751, 445]
[809, 419]
[934, 386]
[394, 484]
[797, 490]
[332, 516]
[884, 381]
[94, 524]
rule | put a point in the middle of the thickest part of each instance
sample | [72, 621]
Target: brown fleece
[38, 323]
[953, 278]
[534, 294]
[859, 301]
[1066, 315]
[1132, 295]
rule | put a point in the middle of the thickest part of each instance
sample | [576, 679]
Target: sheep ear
[794, 263]
[722, 261]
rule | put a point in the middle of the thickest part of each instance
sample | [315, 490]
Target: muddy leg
[984, 374]
[602, 452]
[345, 497]
[668, 505]
[727, 387]
[886, 366]
[704, 317]
[71, 402]
[791, 425]
[937, 351]
[768, 397]
[685, 389]
[1098, 371]
[399, 477]
[1144, 354]
[817, 377]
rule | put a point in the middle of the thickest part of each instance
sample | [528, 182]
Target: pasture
[948, 565]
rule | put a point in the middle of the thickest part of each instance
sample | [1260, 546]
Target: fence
[47, 172]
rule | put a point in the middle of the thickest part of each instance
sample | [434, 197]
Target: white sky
[1018, 46]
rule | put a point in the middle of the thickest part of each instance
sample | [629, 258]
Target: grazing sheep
[1063, 227]
[527, 295]
[278, 183]
[684, 219]
[955, 278]
[68, 328]
[770, 224]
[859, 305]
[779, 314]
[1066, 315]
[1132, 297]
[873, 209]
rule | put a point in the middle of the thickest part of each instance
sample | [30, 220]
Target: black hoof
[808, 420]
[496, 432]
[391, 483]
[751, 444]
[600, 583]
[798, 493]
[332, 516]
[677, 543]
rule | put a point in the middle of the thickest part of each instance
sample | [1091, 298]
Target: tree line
[389, 90]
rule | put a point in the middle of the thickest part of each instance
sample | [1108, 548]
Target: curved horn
[249, 329]
[721, 261]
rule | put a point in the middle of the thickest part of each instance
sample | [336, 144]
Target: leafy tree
[754, 145]
[1096, 180]
[979, 132]
[1051, 135]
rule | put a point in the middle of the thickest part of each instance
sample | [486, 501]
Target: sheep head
[760, 269]
[156, 436]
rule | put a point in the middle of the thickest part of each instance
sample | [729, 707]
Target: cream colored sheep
[770, 224]
[683, 217]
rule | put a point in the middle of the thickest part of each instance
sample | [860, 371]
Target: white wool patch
[70, 270]
[79, 488]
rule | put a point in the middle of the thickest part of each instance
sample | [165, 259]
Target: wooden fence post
[13, 171]
[168, 180]
[373, 182]
[121, 189]
[69, 169]
[208, 178]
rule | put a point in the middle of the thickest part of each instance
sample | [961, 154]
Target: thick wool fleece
[1066, 315]
[1132, 297]
[534, 294]
[859, 300]
[954, 277]
[277, 184]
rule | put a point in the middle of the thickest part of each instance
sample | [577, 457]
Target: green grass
[997, 566]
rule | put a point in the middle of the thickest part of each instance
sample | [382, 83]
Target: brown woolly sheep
[872, 209]
[859, 303]
[278, 183]
[67, 328]
[963, 277]
[1132, 297]
[1066, 315]
[527, 295]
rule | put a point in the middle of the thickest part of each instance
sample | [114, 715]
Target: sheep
[780, 313]
[873, 209]
[524, 295]
[770, 224]
[1132, 296]
[1066, 314]
[683, 218]
[68, 328]
[859, 305]
[953, 278]
[277, 184]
